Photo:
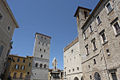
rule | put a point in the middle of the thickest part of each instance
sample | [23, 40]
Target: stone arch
[97, 76]
[76, 78]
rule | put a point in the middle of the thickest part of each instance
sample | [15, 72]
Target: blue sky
[51, 17]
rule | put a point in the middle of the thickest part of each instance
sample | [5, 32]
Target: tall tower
[41, 52]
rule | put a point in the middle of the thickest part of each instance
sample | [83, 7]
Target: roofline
[20, 56]
[97, 6]
[80, 8]
[71, 44]
[42, 35]
[10, 12]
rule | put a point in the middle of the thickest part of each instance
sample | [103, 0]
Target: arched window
[1, 49]
[97, 76]
[76, 78]
[21, 75]
[36, 65]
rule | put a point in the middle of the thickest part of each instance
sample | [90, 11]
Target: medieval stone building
[99, 40]
[41, 52]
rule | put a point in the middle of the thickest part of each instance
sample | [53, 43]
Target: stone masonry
[41, 52]
[99, 40]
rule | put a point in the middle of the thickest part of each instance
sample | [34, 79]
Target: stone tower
[41, 52]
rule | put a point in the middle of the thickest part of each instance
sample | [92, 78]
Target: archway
[76, 78]
[97, 76]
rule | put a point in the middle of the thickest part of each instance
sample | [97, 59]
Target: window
[94, 44]
[23, 60]
[98, 20]
[94, 61]
[16, 66]
[103, 37]
[18, 60]
[44, 50]
[41, 56]
[45, 66]
[90, 77]
[8, 28]
[77, 68]
[72, 51]
[114, 77]
[86, 14]
[113, 74]
[109, 7]
[36, 65]
[73, 69]
[1, 16]
[40, 49]
[21, 75]
[108, 52]
[117, 28]
[14, 76]
[91, 30]
[22, 67]
[84, 35]
[69, 70]
[40, 65]
[28, 73]
[86, 47]
[1, 49]
[88, 66]
[29, 64]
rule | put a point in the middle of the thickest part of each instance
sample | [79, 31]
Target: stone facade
[99, 40]
[18, 68]
[7, 27]
[41, 57]
[72, 61]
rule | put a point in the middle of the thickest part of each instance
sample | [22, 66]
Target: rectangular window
[114, 77]
[86, 47]
[98, 20]
[94, 44]
[117, 28]
[113, 74]
[103, 36]
[86, 14]
[109, 7]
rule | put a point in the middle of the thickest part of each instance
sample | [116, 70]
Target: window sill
[99, 23]
[117, 34]
[86, 38]
[95, 49]
[105, 43]
[87, 54]
[110, 12]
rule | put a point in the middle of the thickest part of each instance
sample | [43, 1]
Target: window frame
[102, 37]
[87, 50]
[93, 41]
[115, 31]
[98, 20]
[107, 7]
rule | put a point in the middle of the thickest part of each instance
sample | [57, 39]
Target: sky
[54, 18]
